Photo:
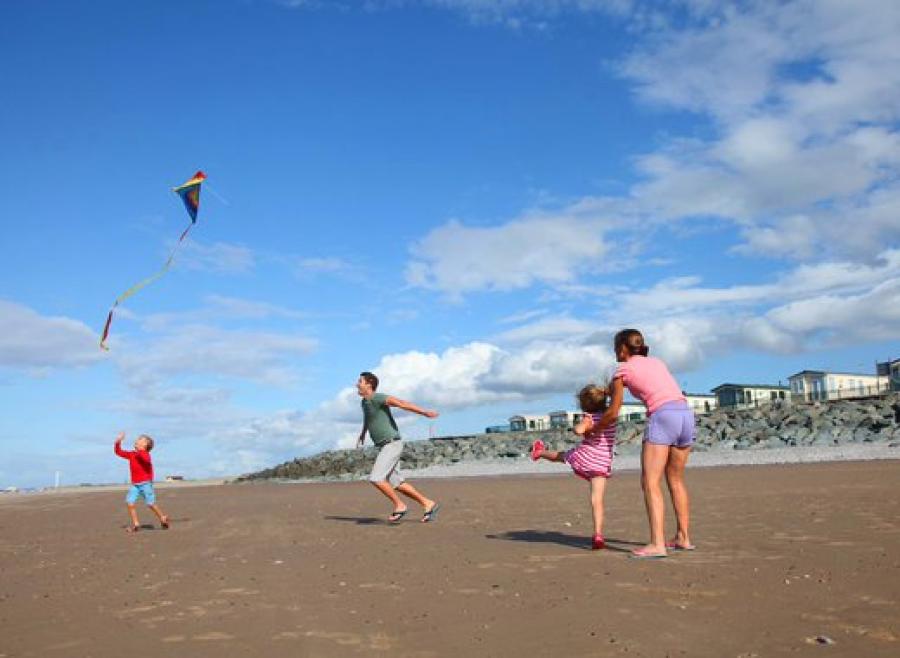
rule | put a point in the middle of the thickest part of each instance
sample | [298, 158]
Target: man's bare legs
[675, 479]
[653, 463]
[408, 490]
[411, 492]
[386, 488]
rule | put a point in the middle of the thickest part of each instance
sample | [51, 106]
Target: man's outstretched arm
[409, 406]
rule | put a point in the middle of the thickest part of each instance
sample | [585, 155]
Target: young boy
[141, 479]
[380, 424]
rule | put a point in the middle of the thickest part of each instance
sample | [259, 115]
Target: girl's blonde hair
[593, 399]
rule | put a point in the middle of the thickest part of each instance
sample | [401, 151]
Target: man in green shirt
[381, 426]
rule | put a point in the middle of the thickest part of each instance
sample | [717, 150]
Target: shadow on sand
[360, 520]
[563, 539]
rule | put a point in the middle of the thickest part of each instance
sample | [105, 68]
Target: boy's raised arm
[409, 406]
[117, 446]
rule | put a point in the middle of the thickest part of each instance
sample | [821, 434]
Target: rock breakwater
[777, 425]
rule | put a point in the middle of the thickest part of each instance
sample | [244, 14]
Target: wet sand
[785, 554]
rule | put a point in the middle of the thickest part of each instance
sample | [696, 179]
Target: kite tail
[138, 286]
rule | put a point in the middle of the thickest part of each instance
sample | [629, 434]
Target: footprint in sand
[377, 641]
[382, 586]
[212, 637]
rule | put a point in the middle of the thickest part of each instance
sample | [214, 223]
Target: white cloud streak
[34, 343]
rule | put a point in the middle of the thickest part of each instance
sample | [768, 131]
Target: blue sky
[466, 196]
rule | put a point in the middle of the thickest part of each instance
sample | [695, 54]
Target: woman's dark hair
[371, 379]
[632, 340]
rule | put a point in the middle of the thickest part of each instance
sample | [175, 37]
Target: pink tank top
[650, 381]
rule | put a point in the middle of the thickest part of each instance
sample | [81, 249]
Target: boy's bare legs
[675, 479]
[653, 463]
[411, 492]
[163, 519]
[132, 512]
[598, 486]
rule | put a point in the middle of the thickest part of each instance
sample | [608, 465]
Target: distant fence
[849, 393]
[854, 393]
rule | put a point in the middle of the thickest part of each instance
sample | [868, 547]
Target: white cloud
[259, 356]
[458, 259]
[218, 257]
[804, 97]
[33, 342]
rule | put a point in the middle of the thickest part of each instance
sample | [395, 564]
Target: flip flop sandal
[164, 524]
[598, 543]
[395, 517]
[431, 514]
[536, 449]
[672, 546]
[638, 555]
[133, 529]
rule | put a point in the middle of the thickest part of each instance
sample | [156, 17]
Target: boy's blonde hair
[149, 441]
[593, 399]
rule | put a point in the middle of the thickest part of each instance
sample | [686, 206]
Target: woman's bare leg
[678, 458]
[653, 463]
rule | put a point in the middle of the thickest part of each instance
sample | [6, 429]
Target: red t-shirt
[139, 462]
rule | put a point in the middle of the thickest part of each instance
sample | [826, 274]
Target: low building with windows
[527, 423]
[748, 395]
[568, 419]
[813, 385]
[701, 403]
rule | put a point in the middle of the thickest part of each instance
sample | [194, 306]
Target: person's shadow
[563, 539]
[359, 520]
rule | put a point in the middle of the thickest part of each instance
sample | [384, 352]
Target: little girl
[592, 458]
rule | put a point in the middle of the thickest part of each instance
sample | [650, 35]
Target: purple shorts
[671, 425]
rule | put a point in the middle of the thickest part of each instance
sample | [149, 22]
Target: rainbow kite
[190, 195]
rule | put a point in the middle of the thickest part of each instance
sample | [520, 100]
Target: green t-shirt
[379, 421]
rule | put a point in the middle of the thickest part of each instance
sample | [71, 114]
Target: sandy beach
[786, 554]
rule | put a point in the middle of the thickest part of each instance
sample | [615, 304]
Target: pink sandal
[537, 448]
[598, 543]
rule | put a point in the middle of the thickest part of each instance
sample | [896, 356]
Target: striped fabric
[593, 456]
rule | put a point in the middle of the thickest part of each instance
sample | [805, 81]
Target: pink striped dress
[593, 456]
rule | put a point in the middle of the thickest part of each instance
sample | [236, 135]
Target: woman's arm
[616, 395]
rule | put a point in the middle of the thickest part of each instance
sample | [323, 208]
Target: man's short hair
[370, 379]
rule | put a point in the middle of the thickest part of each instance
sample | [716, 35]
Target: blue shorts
[141, 489]
[671, 425]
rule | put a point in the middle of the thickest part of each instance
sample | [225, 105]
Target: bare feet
[680, 544]
[649, 552]
[164, 522]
